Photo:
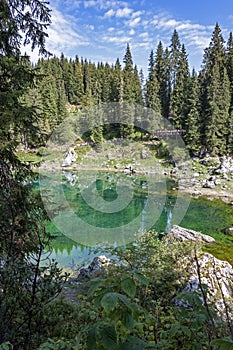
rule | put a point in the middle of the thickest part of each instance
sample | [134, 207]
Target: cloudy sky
[100, 29]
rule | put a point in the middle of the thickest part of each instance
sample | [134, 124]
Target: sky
[99, 30]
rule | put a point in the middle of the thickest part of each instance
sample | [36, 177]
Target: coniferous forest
[141, 303]
[199, 102]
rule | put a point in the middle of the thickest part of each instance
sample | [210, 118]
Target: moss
[221, 251]
[29, 157]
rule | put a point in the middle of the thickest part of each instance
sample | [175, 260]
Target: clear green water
[209, 217]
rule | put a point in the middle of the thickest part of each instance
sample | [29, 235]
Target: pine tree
[137, 87]
[230, 76]
[116, 83]
[218, 98]
[128, 76]
[152, 99]
[160, 70]
[175, 51]
[179, 94]
[78, 78]
[128, 95]
[215, 95]
[166, 96]
[193, 122]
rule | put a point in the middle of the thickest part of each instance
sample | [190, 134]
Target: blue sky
[100, 30]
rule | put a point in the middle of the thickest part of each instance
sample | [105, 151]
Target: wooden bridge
[168, 132]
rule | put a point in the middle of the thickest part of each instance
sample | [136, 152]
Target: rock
[97, 266]
[184, 234]
[195, 175]
[209, 184]
[129, 169]
[225, 167]
[217, 275]
[71, 178]
[70, 157]
[217, 182]
[229, 231]
[196, 193]
[145, 154]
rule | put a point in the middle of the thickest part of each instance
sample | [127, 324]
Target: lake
[114, 204]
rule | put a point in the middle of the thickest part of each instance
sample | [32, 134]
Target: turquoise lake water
[112, 201]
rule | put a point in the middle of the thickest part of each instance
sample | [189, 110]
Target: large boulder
[217, 276]
[183, 234]
[71, 157]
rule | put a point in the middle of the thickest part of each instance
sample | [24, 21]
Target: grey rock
[229, 231]
[195, 175]
[196, 193]
[145, 154]
[217, 182]
[98, 265]
[184, 234]
[225, 167]
[217, 275]
[70, 157]
[209, 184]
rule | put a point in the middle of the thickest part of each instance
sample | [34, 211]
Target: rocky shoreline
[211, 177]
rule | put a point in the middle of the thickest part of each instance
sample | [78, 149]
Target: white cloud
[111, 29]
[134, 22]
[62, 35]
[109, 13]
[116, 39]
[90, 3]
[125, 12]
[137, 14]
[144, 35]
[90, 26]
[132, 32]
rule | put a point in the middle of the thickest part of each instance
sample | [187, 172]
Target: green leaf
[95, 284]
[108, 338]
[109, 301]
[225, 344]
[6, 346]
[129, 287]
[133, 343]
[141, 278]
[91, 338]
[127, 319]
[124, 300]
[186, 330]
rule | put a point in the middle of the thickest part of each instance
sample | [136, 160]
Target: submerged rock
[184, 234]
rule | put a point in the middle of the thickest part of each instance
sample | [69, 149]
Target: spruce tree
[193, 121]
[230, 76]
[128, 95]
[178, 103]
[175, 51]
[215, 95]
[160, 71]
[152, 99]
[137, 87]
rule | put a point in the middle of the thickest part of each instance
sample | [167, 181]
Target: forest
[135, 305]
[200, 103]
